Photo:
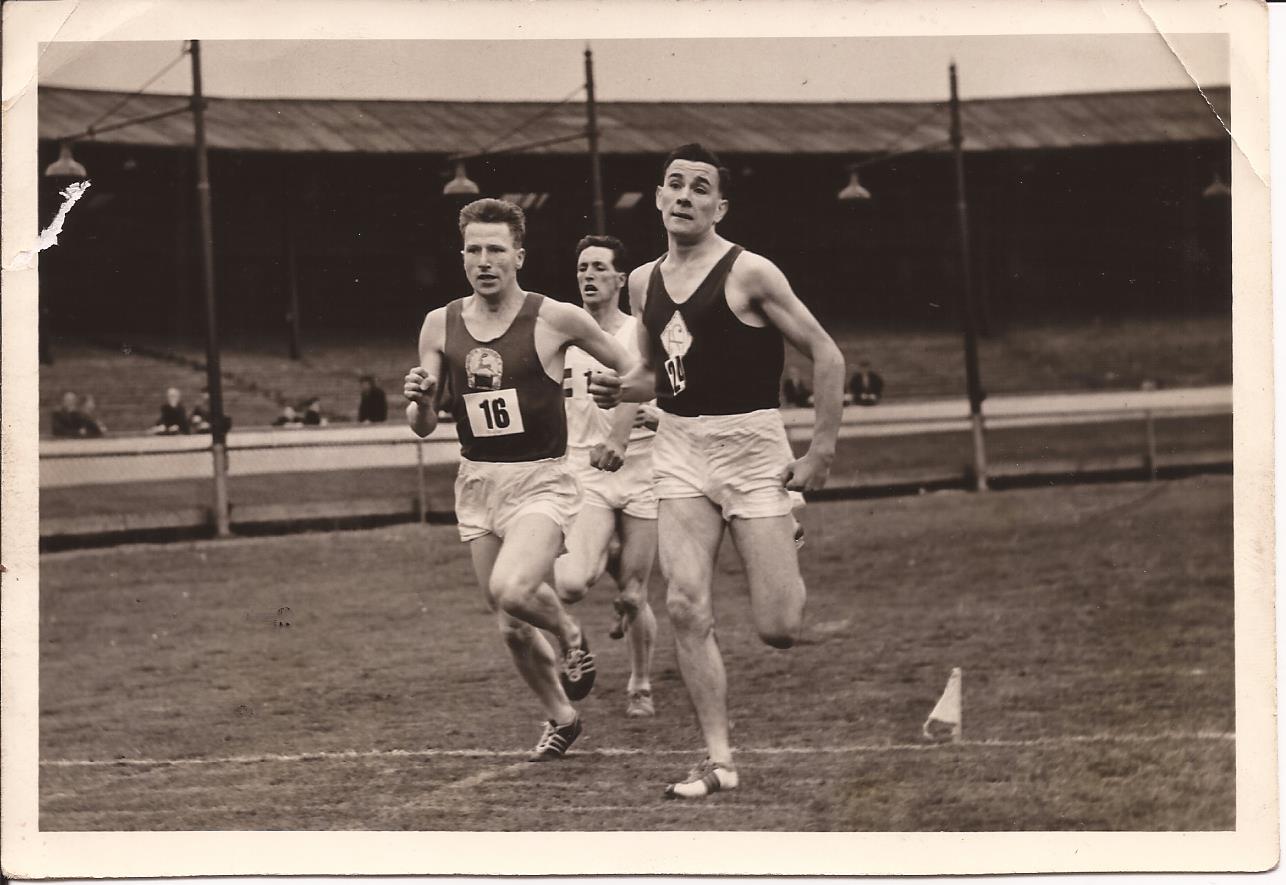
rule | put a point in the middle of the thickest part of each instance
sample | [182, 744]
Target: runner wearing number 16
[515, 497]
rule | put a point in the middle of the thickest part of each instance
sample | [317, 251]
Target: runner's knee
[510, 591]
[780, 628]
[778, 636]
[689, 612]
[573, 589]
[571, 580]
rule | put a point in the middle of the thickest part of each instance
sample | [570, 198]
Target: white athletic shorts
[489, 496]
[734, 460]
[628, 489]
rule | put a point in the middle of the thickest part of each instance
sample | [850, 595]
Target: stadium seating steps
[128, 379]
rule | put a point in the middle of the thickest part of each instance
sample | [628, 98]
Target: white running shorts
[489, 496]
[628, 490]
[734, 460]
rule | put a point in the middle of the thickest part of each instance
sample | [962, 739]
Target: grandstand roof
[446, 127]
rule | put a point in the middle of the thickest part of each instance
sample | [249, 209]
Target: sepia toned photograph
[603, 433]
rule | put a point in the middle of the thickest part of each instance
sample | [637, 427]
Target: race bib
[494, 412]
[576, 383]
[674, 371]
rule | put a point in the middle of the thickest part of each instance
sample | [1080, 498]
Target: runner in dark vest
[714, 319]
[502, 350]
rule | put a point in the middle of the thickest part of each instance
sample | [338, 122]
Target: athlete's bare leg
[582, 565]
[528, 647]
[518, 577]
[769, 554]
[638, 552]
[689, 531]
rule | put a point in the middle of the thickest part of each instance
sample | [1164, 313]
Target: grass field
[1093, 624]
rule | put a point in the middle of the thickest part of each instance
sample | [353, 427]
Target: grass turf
[1078, 611]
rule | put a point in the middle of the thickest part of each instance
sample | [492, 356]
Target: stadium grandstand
[1097, 220]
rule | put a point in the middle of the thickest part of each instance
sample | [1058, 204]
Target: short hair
[368, 379]
[606, 242]
[696, 153]
[491, 211]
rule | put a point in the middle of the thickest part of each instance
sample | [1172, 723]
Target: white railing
[66, 463]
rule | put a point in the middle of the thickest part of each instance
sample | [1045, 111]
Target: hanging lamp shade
[854, 190]
[461, 183]
[1216, 189]
[65, 166]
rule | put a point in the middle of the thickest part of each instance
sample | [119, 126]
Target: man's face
[172, 396]
[69, 402]
[491, 261]
[600, 282]
[689, 200]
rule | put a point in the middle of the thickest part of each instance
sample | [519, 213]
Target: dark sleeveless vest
[506, 406]
[708, 362]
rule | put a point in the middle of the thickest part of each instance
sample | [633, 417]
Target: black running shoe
[555, 741]
[577, 671]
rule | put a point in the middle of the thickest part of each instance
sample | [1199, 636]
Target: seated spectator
[200, 419]
[312, 413]
[174, 418]
[288, 418]
[866, 385]
[68, 422]
[795, 390]
[374, 404]
[89, 417]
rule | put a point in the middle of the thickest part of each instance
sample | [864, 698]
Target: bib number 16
[494, 412]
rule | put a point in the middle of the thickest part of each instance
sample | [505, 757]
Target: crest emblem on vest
[675, 337]
[484, 369]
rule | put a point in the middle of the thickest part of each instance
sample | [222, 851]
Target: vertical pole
[1150, 457]
[214, 379]
[419, 474]
[292, 277]
[972, 377]
[591, 132]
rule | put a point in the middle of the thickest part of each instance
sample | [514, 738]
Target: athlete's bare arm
[421, 383]
[769, 292]
[576, 326]
[639, 384]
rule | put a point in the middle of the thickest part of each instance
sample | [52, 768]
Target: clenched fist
[605, 388]
[607, 456]
[420, 387]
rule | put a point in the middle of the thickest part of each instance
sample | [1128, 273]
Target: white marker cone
[947, 713]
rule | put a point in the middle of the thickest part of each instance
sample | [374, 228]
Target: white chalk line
[483, 753]
[477, 780]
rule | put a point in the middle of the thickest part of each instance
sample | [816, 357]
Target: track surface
[1093, 624]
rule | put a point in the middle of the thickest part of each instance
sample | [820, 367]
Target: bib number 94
[494, 412]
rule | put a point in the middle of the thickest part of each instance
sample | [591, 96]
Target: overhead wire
[533, 118]
[136, 93]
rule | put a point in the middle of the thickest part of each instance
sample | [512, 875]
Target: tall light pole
[65, 165]
[854, 191]
[591, 134]
[972, 375]
[214, 378]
